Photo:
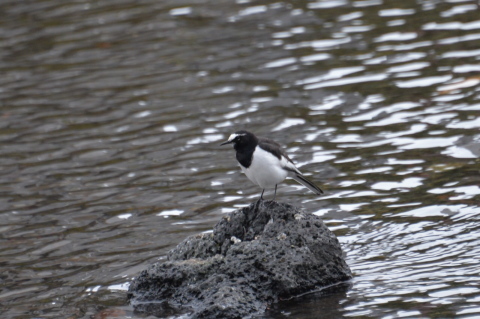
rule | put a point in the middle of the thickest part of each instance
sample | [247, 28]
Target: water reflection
[111, 113]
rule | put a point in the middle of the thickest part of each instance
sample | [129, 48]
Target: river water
[112, 113]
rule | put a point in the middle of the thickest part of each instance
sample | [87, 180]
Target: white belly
[266, 169]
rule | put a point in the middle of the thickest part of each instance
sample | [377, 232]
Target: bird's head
[242, 139]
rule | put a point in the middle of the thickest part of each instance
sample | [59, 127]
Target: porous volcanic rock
[255, 256]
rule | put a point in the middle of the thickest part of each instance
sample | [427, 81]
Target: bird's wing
[272, 146]
[268, 141]
[287, 164]
[275, 148]
[298, 176]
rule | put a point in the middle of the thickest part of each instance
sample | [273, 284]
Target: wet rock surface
[255, 256]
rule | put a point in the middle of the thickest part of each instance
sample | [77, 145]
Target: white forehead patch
[232, 137]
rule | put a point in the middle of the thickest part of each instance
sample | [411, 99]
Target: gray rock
[255, 256]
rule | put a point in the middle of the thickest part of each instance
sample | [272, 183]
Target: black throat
[245, 148]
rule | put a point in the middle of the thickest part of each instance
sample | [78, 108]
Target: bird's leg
[274, 196]
[259, 200]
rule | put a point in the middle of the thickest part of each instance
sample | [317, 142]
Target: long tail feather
[305, 182]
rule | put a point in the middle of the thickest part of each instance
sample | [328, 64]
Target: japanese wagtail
[265, 163]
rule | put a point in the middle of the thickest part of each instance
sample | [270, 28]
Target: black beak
[225, 143]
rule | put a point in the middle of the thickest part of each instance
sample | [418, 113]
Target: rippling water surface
[112, 113]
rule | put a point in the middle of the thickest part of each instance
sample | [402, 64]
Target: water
[112, 110]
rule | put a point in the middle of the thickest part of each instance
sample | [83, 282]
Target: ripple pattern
[113, 111]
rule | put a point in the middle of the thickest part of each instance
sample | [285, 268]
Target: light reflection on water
[112, 111]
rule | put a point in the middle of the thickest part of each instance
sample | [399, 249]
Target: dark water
[112, 113]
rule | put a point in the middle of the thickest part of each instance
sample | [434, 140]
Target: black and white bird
[265, 163]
